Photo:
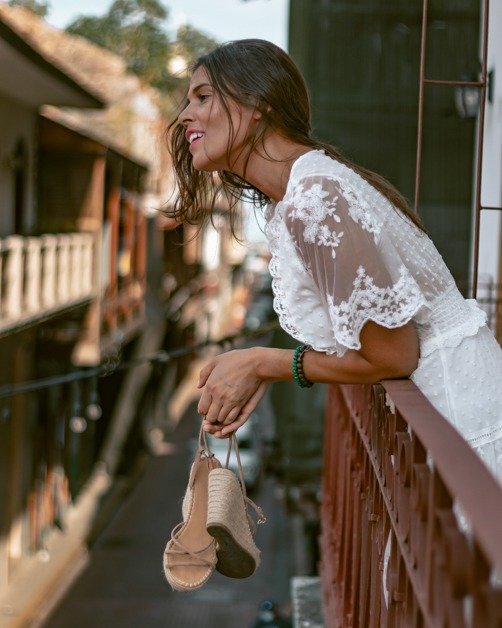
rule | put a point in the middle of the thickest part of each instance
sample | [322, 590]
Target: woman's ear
[258, 111]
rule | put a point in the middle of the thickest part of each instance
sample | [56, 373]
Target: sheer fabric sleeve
[360, 276]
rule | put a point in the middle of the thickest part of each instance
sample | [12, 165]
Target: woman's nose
[185, 116]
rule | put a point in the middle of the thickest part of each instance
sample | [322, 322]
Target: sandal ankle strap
[184, 550]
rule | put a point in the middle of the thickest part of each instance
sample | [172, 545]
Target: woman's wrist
[272, 364]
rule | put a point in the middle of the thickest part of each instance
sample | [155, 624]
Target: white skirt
[464, 383]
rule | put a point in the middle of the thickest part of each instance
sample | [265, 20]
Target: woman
[355, 277]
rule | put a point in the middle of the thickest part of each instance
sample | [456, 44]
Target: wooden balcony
[40, 276]
[411, 517]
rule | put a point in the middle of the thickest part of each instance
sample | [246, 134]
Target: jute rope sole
[227, 522]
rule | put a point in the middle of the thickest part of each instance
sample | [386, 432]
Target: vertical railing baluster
[49, 270]
[63, 268]
[32, 292]
[14, 277]
[395, 549]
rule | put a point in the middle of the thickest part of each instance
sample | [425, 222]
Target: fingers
[212, 426]
[223, 431]
[246, 411]
[220, 408]
[204, 374]
[226, 417]
[204, 403]
[212, 414]
[227, 430]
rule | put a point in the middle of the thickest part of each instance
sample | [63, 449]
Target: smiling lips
[192, 136]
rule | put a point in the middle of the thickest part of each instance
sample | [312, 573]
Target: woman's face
[208, 129]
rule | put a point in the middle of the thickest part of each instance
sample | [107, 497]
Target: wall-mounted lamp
[468, 97]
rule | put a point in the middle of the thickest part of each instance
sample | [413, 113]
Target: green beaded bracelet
[298, 374]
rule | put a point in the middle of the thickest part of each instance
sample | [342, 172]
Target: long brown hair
[254, 73]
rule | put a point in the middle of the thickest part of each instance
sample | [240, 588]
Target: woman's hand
[233, 383]
[231, 391]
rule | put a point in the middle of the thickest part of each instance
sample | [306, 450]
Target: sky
[222, 19]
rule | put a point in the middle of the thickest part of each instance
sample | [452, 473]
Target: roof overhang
[64, 120]
[28, 77]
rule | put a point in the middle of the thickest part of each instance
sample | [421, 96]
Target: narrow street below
[123, 584]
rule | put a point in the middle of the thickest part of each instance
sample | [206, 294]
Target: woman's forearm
[232, 383]
[387, 354]
[352, 368]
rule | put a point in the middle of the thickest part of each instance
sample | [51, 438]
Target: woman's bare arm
[234, 382]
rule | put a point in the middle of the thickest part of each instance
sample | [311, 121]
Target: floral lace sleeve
[339, 240]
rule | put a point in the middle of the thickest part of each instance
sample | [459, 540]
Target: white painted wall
[491, 190]
[16, 122]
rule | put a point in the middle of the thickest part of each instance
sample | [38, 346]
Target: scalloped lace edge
[470, 327]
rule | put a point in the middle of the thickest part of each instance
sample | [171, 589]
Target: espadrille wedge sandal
[228, 520]
[190, 554]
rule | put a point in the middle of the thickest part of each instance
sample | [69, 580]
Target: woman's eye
[203, 97]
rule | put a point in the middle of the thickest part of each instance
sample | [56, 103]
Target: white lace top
[343, 255]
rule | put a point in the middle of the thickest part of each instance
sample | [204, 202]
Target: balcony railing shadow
[411, 517]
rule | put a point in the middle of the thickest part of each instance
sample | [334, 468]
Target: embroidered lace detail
[359, 208]
[401, 277]
[390, 307]
[311, 207]
[279, 299]
[278, 278]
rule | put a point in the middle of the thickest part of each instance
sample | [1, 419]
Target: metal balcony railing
[41, 275]
[411, 517]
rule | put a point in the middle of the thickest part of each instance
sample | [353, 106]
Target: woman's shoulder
[329, 176]
[323, 169]
[314, 163]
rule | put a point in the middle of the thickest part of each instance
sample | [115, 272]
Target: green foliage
[135, 30]
[40, 7]
[135, 11]
[192, 44]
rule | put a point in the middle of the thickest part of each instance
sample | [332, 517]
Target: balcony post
[49, 270]
[14, 276]
[63, 268]
[33, 281]
[76, 268]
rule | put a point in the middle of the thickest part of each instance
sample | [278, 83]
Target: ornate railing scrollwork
[411, 517]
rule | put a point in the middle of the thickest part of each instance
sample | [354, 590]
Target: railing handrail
[447, 447]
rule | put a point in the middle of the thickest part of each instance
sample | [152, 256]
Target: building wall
[17, 124]
[361, 61]
[491, 191]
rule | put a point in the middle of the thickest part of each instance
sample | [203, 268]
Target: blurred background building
[91, 270]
